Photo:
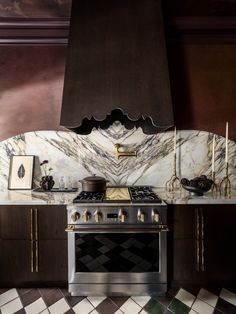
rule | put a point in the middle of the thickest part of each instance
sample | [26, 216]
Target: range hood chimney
[116, 67]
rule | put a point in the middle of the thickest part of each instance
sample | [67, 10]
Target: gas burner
[89, 197]
[143, 194]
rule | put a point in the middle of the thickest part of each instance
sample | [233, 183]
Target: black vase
[47, 183]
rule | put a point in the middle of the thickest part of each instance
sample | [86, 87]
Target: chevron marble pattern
[59, 301]
[77, 156]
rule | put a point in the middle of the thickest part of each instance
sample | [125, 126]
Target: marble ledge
[23, 197]
[183, 197]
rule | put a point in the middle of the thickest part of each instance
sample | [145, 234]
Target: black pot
[94, 184]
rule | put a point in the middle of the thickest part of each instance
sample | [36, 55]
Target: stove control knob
[86, 216]
[141, 216]
[122, 215]
[155, 216]
[75, 216]
[97, 216]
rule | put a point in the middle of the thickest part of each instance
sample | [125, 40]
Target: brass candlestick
[225, 185]
[174, 180]
[214, 187]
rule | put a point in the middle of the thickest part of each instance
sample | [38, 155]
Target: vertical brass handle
[31, 241]
[197, 239]
[36, 242]
[202, 241]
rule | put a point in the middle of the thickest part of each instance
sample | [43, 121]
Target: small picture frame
[21, 172]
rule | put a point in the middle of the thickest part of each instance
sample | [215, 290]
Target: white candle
[175, 141]
[213, 154]
[226, 142]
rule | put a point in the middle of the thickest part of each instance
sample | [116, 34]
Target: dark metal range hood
[116, 67]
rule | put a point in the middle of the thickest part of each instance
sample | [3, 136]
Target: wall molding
[19, 31]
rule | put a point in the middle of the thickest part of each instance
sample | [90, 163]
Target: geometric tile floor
[59, 301]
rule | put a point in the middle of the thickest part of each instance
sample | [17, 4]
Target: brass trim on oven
[31, 241]
[36, 242]
[160, 228]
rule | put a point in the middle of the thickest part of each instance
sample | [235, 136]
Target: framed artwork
[21, 173]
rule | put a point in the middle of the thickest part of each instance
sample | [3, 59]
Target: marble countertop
[25, 197]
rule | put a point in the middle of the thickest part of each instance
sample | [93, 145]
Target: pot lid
[94, 178]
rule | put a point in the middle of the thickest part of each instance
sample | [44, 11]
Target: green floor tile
[178, 307]
[154, 307]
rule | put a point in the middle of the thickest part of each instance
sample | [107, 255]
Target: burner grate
[89, 197]
[143, 194]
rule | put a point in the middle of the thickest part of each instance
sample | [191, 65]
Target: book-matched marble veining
[77, 156]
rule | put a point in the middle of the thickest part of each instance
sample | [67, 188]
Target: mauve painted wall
[31, 84]
[203, 83]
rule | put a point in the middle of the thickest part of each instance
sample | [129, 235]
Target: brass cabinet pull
[197, 239]
[202, 241]
[36, 242]
[31, 241]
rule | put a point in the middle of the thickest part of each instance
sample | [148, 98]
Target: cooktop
[128, 194]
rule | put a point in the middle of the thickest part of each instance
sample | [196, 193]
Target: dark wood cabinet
[33, 245]
[203, 244]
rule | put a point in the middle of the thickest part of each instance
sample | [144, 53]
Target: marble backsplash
[77, 156]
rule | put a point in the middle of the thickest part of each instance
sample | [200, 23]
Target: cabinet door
[15, 222]
[186, 245]
[219, 242]
[20, 227]
[16, 263]
[52, 262]
[52, 220]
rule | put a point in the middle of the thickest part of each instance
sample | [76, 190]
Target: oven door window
[117, 252]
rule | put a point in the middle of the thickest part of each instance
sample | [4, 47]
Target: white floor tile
[192, 312]
[84, 307]
[142, 300]
[202, 308]
[185, 297]
[207, 297]
[130, 307]
[12, 306]
[36, 307]
[228, 296]
[96, 300]
[45, 312]
[8, 296]
[60, 307]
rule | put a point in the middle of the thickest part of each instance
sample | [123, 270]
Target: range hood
[116, 67]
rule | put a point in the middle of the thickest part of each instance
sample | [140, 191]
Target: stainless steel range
[117, 242]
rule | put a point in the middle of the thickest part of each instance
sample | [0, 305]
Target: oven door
[115, 256]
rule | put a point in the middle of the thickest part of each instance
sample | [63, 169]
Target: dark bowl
[195, 191]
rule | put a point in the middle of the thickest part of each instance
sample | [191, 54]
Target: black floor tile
[72, 301]
[107, 306]
[119, 301]
[22, 291]
[30, 297]
[22, 311]
[51, 295]
[225, 307]
[70, 312]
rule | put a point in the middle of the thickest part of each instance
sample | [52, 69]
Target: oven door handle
[73, 228]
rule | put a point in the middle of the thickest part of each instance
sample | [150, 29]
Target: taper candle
[226, 141]
[213, 154]
[175, 141]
